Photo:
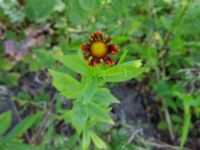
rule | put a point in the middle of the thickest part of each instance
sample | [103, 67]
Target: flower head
[98, 50]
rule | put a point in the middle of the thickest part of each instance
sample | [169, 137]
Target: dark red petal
[86, 56]
[94, 62]
[108, 61]
[92, 39]
[113, 49]
[96, 35]
[85, 47]
[98, 62]
[108, 39]
[101, 36]
[21, 2]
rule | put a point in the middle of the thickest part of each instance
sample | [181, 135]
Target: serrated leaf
[98, 112]
[79, 116]
[123, 72]
[5, 120]
[104, 97]
[89, 88]
[66, 84]
[73, 93]
[76, 64]
[63, 81]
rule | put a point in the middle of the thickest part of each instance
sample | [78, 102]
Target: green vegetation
[51, 99]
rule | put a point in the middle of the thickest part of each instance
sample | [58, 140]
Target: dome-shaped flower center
[98, 49]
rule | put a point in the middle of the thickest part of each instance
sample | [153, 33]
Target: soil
[137, 107]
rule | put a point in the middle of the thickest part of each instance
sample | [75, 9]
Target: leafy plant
[189, 101]
[5, 118]
[91, 100]
[163, 33]
[11, 9]
[37, 9]
[11, 139]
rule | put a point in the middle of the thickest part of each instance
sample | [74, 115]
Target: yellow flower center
[98, 49]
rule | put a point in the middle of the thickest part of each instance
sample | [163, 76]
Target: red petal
[86, 56]
[108, 61]
[101, 36]
[108, 39]
[85, 47]
[94, 62]
[91, 39]
[96, 36]
[98, 62]
[113, 49]
[91, 63]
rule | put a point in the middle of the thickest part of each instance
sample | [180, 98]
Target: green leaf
[5, 65]
[73, 93]
[166, 22]
[98, 141]
[34, 64]
[185, 129]
[10, 78]
[19, 146]
[76, 14]
[162, 125]
[104, 97]
[42, 97]
[23, 126]
[79, 116]
[124, 71]
[39, 9]
[150, 54]
[177, 118]
[23, 96]
[44, 58]
[98, 112]
[120, 39]
[123, 56]
[67, 85]
[63, 81]
[89, 5]
[5, 120]
[76, 64]
[86, 139]
[89, 88]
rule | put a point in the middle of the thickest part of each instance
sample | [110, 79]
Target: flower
[10, 47]
[98, 50]
[16, 50]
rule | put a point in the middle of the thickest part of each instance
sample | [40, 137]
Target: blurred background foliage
[164, 33]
